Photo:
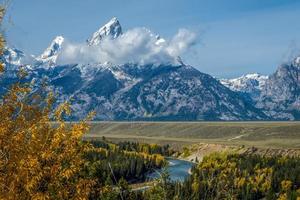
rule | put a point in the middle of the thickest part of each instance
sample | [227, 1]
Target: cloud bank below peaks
[138, 45]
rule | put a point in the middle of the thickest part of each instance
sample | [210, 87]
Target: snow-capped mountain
[132, 91]
[49, 56]
[149, 92]
[112, 29]
[251, 84]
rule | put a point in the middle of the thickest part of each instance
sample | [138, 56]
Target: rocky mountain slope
[280, 97]
[276, 95]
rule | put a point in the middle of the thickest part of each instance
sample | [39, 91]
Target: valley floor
[274, 135]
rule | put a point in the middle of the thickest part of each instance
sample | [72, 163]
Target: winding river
[178, 170]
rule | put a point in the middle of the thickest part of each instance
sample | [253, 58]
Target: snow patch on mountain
[296, 61]
[14, 58]
[249, 83]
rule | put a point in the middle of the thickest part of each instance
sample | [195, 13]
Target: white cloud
[182, 41]
[137, 45]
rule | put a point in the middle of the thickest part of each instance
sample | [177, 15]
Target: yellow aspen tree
[39, 159]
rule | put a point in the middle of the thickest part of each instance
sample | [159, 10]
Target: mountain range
[156, 91]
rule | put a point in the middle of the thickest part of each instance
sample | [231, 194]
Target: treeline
[234, 176]
[164, 150]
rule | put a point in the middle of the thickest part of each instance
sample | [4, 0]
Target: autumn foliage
[39, 159]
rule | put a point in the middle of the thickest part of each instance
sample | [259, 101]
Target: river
[178, 170]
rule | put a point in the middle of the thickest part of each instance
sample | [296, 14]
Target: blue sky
[235, 36]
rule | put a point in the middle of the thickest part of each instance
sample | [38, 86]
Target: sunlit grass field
[259, 134]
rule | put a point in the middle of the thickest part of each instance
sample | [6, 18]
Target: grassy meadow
[259, 134]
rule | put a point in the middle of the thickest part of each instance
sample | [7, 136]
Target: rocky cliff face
[280, 96]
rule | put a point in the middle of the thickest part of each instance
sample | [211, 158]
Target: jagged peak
[58, 39]
[49, 56]
[54, 47]
[112, 21]
[111, 29]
